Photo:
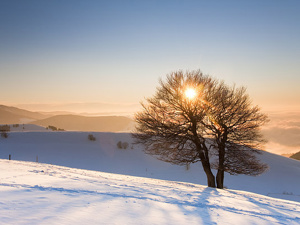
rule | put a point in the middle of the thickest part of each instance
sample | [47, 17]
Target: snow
[26, 128]
[73, 149]
[132, 187]
[37, 193]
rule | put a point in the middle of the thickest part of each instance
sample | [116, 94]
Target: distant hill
[296, 156]
[83, 123]
[13, 115]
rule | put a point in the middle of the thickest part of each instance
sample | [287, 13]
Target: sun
[190, 93]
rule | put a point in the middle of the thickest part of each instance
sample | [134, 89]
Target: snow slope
[73, 149]
[26, 128]
[35, 193]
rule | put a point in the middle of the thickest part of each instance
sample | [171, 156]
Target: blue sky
[115, 51]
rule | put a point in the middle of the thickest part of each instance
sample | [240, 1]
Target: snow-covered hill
[26, 128]
[35, 193]
[73, 149]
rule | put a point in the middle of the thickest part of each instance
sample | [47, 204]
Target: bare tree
[179, 125]
[234, 125]
[170, 124]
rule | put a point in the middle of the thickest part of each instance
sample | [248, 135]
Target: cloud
[284, 136]
[283, 132]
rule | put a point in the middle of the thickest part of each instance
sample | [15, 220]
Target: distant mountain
[11, 115]
[83, 123]
[296, 156]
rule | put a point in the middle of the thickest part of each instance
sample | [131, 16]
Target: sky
[107, 56]
[115, 51]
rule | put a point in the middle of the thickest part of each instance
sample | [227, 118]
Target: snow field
[73, 149]
[36, 193]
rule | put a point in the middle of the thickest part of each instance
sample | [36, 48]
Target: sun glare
[190, 93]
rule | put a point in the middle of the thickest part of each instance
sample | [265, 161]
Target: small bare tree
[193, 116]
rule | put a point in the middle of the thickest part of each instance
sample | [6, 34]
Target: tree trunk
[209, 175]
[210, 179]
[220, 173]
[203, 155]
[220, 179]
